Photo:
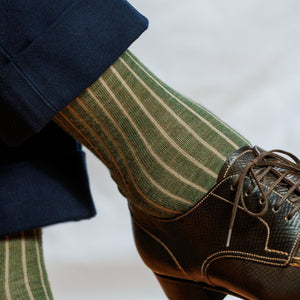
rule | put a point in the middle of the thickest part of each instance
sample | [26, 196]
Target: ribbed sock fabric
[22, 269]
[163, 150]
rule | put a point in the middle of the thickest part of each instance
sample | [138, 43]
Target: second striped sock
[22, 269]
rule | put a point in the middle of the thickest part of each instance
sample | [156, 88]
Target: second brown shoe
[241, 239]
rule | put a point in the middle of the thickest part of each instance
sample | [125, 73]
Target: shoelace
[266, 161]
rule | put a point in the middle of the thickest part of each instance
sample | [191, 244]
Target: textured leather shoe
[241, 239]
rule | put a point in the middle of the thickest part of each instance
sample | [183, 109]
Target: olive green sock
[22, 269]
[163, 150]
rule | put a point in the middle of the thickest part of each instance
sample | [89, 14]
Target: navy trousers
[50, 51]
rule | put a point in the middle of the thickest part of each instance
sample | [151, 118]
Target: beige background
[241, 59]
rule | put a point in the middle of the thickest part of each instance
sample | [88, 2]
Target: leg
[166, 154]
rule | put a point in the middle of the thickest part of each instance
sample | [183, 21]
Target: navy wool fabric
[50, 51]
[43, 182]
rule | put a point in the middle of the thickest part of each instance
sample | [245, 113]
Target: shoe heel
[177, 289]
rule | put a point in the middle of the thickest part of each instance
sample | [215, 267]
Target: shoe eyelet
[262, 202]
[274, 210]
[232, 188]
[287, 219]
[246, 194]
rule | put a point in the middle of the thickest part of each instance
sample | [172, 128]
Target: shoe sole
[178, 289]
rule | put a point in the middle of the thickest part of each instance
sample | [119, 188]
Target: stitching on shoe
[297, 258]
[295, 265]
[240, 257]
[256, 258]
[264, 222]
[196, 206]
[298, 235]
[206, 196]
[295, 245]
[291, 203]
[167, 249]
[230, 165]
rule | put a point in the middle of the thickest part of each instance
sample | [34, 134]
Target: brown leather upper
[261, 260]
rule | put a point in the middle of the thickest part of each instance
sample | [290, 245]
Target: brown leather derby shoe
[241, 239]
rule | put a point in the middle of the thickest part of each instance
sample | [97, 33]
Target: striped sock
[163, 150]
[22, 269]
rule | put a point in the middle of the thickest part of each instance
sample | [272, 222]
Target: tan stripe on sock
[7, 289]
[24, 263]
[39, 264]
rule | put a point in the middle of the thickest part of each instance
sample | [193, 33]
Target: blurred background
[241, 59]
